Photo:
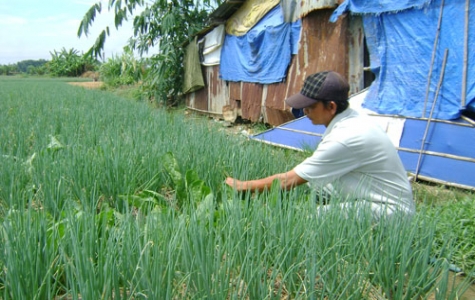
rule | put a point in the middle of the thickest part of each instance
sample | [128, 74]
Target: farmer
[355, 161]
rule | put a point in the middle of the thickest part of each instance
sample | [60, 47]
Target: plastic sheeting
[294, 10]
[212, 45]
[377, 6]
[444, 143]
[401, 44]
[433, 164]
[262, 55]
[248, 15]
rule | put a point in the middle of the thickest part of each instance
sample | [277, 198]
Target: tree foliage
[166, 24]
[69, 63]
[25, 65]
[9, 69]
[122, 70]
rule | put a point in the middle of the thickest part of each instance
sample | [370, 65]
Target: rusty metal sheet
[356, 52]
[213, 97]
[200, 100]
[323, 46]
[251, 101]
[297, 9]
[235, 90]
[217, 90]
[276, 111]
[276, 93]
[277, 117]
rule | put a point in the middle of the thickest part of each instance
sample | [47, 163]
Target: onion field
[102, 197]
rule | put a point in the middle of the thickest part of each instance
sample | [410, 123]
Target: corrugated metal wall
[296, 9]
[323, 46]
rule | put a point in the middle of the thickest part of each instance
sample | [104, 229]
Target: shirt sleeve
[329, 162]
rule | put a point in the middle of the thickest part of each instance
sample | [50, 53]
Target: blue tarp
[400, 36]
[377, 6]
[262, 55]
[442, 138]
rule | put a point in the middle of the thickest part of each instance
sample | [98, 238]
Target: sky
[31, 29]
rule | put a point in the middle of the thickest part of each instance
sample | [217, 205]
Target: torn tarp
[212, 44]
[401, 45]
[248, 15]
[263, 54]
[376, 6]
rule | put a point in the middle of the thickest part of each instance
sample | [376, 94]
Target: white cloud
[12, 21]
[33, 34]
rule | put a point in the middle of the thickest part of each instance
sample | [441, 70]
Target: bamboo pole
[448, 183]
[439, 154]
[301, 131]
[441, 78]
[465, 55]
[434, 50]
[280, 145]
[471, 122]
[204, 111]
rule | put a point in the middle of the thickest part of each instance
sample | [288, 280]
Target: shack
[255, 53]
[423, 93]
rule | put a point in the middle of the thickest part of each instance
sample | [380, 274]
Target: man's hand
[235, 184]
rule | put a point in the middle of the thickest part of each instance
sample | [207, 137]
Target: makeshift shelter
[422, 55]
[266, 50]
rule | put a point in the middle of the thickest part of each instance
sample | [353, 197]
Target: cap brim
[299, 101]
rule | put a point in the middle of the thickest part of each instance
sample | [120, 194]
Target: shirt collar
[347, 113]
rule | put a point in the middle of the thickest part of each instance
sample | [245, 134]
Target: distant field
[102, 197]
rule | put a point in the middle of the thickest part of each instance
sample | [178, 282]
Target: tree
[24, 65]
[9, 69]
[69, 63]
[122, 70]
[168, 24]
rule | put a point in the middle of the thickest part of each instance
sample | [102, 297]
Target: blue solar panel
[452, 157]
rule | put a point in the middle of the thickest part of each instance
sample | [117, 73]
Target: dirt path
[469, 294]
[88, 84]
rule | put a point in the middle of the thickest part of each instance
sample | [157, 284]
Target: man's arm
[287, 181]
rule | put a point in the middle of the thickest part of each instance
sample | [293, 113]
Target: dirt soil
[469, 294]
[88, 84]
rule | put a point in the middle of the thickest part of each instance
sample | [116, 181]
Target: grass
[106, 198]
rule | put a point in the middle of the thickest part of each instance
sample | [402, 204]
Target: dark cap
[322, 86]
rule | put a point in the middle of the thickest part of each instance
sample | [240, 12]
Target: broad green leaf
[106, 216]
[54, 144]
[171, 167]
[198, 190]
[190, 177]
[196, 187]
[139, 202]
[206, 207]
[159, 198]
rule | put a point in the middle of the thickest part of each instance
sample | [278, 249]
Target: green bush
[68, 63]
[121, 70]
